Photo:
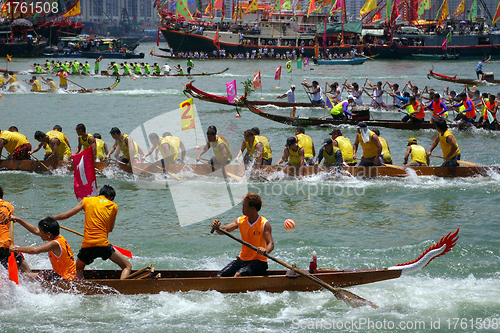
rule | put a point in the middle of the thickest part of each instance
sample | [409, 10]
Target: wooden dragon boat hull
[105, 73]
[350, 61]
[470, 82]
[82, 91]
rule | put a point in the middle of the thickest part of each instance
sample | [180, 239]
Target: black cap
[336, 131]
[327, 142]
[290, 141]
[361, 124]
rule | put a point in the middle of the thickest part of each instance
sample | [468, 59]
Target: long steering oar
[126, 253]
[13, 272]
[46, 167]
[469, 164]
[77, 84]
[340, 293]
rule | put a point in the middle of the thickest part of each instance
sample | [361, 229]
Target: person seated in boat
[290, 94]
[100, 216]
[101, 148]
[479, 68]
[378, 100]
[169, 147]
[293, 154]
[58, 146]
[6, 212]
[50, 83]
[115, 67]
[257, 152]
[335, 91]
[372, 148]
[220, 148]
[342, 110]
[254, 229]
[418, 154]
[490, 106]
[137, 69]
[394, 92]
[60, 253]
[166, 69]
[449, 146]
[2, 81]
[330, 155]
[126, 68]
[63, 78]
[85, 140]
[355, 92]
[179, 69]
[124, 144]
[466, 109]
[307, 143]
[316, 92]
[16, 144]
[386, 152]
[11, 82]
[86, 68]
[415, 111]
[438, 108]
[34, 83]
[345, 146]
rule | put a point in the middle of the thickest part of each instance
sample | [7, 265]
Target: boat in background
[430, 57]
[489, 78]
[347, 61]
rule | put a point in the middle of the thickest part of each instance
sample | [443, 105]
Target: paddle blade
[126, 253]
[353, 299]
[13, 273]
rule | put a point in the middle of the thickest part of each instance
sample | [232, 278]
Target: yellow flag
[253, 6]
[74, 11]
[187, 115]
[369, 6]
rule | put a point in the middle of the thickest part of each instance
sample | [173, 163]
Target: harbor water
[350, 222]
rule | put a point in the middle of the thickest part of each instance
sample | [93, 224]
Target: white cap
[292, 86]
[350, 97]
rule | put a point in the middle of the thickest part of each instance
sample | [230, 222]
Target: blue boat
[347, 61]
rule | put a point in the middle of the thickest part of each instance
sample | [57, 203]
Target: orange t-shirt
[253, 234]
[64, 265]
[99, 216]
[6, 211]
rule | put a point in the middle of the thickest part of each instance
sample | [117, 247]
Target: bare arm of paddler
[2, 142]
[113, 148]
[50, 246]
[242, 149]
[355, 148]
[377, 144]
[451, 141]
[69, 213]
[259, 148]
[53, 145]
[183, 150]
[203, 151]
[283, 158]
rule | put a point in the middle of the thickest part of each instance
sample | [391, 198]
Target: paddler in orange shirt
[254, 229]
[60, 253]
[100, 216]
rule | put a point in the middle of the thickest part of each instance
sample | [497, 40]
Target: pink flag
[84, 174]
[231, 91]
[277, 75]
[444, 46]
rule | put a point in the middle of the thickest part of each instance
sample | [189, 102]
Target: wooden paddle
[46, 167]
[125, 252]
[340, 293]
[395, 167]
[232, 175]
[142, 170]
[13, 271]
[77, 84]
[469, 164]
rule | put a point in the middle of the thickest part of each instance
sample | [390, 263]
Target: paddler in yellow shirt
[55, 140]
[345, 146]
[16, 144]
[101, 148]
[418, 154]
[50, 83]
[372, 148]
[451, 152]
[123, 142]
[386, 152]
[293, 154]
[63, 75]
[85, 140]
[34, 83]
[257, 152]
[307, 143]
[220, 148]
[169, 147]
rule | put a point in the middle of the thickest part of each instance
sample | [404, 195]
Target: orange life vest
[253, 234]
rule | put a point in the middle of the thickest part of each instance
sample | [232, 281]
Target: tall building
[111, 10]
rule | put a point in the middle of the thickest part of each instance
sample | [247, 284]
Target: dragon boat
[83, 90]
[488, 79]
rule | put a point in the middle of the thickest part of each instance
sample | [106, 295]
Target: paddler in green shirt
[96, 65]
[66, 66]
[116, 68]
[147, 68]
[156, 69]
[179, 69]
[47, 65]
[126, 68]
[76, 67]
[39, 69]
[86, 68]
[137, 69]
[190, 65]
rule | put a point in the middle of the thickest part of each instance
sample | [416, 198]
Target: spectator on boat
[438, 107]
[479, 68]
[330, 155]
[6, 212]
[372, 148]
[386, 152]
[100, 216]
[418, 154]
[254, 229]
[54, 140]
[16, 144]
[317, 94]
[449, 146]
[290, 94]
[466, 109]
[307, 143]
[345, 146]
[220, 148]
[258, 152]
[58, 249]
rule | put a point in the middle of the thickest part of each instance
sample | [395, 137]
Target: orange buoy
[473, 87]
[289, 224]
[133, 79]
[237, 115]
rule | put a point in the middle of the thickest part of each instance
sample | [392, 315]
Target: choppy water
[351, 223]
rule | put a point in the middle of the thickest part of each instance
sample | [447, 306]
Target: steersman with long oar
[257, 242]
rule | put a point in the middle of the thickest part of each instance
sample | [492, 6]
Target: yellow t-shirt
[99, 216]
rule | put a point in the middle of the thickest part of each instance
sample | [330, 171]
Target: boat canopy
[353, 27]
[372, 32]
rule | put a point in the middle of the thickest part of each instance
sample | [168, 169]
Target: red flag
[257, 82]
[84, 176]
[158, 38]
[216, 39]
[13, 273]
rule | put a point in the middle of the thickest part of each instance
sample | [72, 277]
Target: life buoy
[393, 47]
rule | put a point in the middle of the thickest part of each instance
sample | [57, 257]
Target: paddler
[355, 91]
[126, 68]
[263, 139]
[293, 154]
[166, 69]
[34, 83]
[490, 106]
[316, 92]
[415, 111]
[100, 216]
[86, 68]
[125, 144]
[438, 107]
[101, 148]
[63, 75]
[179, 69]
[479, 68]
[96, 65]
[372, 148]
[6, 211]
[451, 152]
[85, 140]
[2, 82]
[342, 110]
[190, 65]
[220, 148]
[137, 69]
[115, 67]
[156, 69]
[257, 153]
[418, 154]
[335, 91]
[48, 65]
[386, 152]
[16, 144]
[290, 94]
[169, 147]
[394, 92]
[345, 146]
[54, 140]
[467, 110]
[330, 155]
[75, 67]
[60, 253]
[254, 229]
[147, 68]
[307, 143]
[11, 81]
[378, 100]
